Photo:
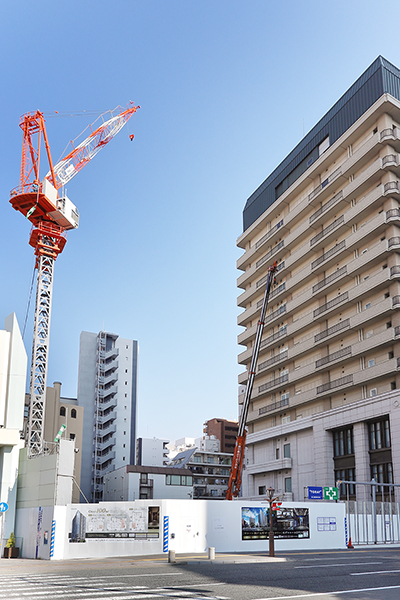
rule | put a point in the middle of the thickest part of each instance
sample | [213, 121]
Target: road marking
[337, 565]
[376, 572]
[374, 589]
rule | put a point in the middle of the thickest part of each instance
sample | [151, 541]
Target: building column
[363, 472]
[323, 453]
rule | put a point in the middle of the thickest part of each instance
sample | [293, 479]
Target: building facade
[225, 431]
[325, 403]
[210, 470]
[141, 482]
[152, 452]
[13, 366]
[107, 389]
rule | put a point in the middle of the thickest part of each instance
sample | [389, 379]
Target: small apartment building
[326, 394]
[139, 482]
[210, 472]
[224, 430]
[152, 451]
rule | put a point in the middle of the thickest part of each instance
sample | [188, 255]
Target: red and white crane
[51, 215]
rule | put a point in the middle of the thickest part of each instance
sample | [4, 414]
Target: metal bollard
[171, 556]
[211, 553]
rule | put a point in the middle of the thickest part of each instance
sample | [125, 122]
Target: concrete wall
[121, 528]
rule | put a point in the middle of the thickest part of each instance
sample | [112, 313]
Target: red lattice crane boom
[51, 216]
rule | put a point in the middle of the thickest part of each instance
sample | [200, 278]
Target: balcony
[392, 215]
[327, 280]
[273, 361]
[269, 234]
[332, 357]
[394, 243]
[273, 406]
[331, 304]
[281, 464]
[324, 184]
[391, 187]
[275, 336]
[269, 254]
[273, 383]
[337, 248]
[395, 272]
[332, 385]
[332, 227]
[336, 198]
[390, 160]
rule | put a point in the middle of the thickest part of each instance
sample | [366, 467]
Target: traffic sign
[331, 493]
[276, 505]
[3, 507]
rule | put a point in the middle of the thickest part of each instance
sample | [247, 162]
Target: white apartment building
[13, 363]
[152, 452]
[326, 403]
[107, 389]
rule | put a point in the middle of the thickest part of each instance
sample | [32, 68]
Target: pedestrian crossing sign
[331, 493]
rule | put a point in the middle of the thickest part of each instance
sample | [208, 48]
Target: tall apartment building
[225, 431]
[325, 403]
[107, 389]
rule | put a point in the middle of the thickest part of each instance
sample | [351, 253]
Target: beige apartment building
[326, 402]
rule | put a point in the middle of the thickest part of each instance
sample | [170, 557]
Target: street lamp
[271, 500]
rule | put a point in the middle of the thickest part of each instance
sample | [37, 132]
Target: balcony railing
[273, 383]
[338, 300]
[319, 189]
[329, 279]
[397, 330]
[393, 213]
[273, 360]
[273, 406]
[387, 133]
[394, 241]
[263, 280]
[269, 234]
[326, 206]
[334, 329]
[391, 186]
[331, 357]
[331, 385]
[281, 333]
[276, 313]
[270, 253]
[395, 270]
[390, 159]
[328, 254]
[395, 301]
[274, 293]
[336, 223]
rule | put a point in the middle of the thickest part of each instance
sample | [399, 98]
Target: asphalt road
[360, 574]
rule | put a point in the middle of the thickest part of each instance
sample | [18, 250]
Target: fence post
[373, 484]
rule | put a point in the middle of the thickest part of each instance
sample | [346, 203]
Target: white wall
[194, 525]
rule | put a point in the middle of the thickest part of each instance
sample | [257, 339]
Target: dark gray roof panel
[381, 77]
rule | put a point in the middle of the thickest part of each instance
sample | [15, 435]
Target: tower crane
[235, 476]
[51, 215]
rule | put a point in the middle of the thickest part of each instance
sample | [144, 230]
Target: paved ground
[360, 574]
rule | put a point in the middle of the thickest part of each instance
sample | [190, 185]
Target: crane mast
[51, 216]
[235, 476]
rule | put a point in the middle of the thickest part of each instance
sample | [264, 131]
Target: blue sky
[226, 90]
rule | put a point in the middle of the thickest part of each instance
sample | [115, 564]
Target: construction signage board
[331, 493]
[315, 493]
[288, 523]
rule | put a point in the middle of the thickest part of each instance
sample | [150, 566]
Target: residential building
[141, 482]
[225, 431]
[152, 451]
[13, 364]
[210, 471]
[107, 389]
[325, 402]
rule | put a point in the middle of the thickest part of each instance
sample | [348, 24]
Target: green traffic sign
[331, 493]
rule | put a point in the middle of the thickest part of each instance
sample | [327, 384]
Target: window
[371, 362]
[73, 413]
[368, 305]
[343, 444]
[144, 478]
[288, 484]
[369, 334]
[373, 392]
[286, 450]
[379, 434]
[390, 354]
[382, 473]
[179, 480]
[261, 490]
[346, 475]
[285, 420]
[71, 436]
[276, 453]
[324, 145]
[62, 411]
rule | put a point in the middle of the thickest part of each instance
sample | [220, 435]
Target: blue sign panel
[315, 493]
[3, 507]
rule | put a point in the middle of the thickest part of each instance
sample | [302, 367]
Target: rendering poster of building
[116, 523]
[288, 523]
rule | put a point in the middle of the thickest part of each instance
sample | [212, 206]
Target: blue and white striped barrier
[53, 535]
[166, 534]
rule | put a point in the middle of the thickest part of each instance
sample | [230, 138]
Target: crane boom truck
[235, 476]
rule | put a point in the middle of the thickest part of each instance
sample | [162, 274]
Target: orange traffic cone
[350, 545]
